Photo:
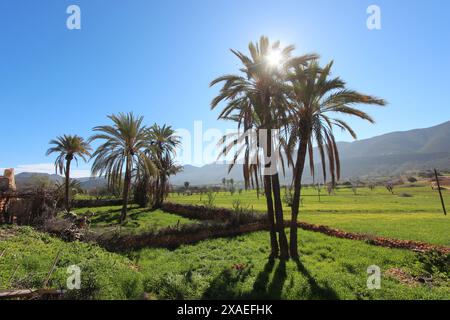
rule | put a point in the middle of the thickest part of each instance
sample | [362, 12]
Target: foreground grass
[412, 213]
[139, 219]
[237, 267]
[28, 257]
[330, 268]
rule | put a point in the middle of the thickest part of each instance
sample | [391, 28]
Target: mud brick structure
[7, 185]
[7, 182]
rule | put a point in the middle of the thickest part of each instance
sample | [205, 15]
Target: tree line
[129, 152]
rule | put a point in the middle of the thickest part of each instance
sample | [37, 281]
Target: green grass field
[235, 268]
[28, 257]
[139, 219]
[378, 212]
[238, 268]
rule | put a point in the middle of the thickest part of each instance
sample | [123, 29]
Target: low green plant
[210, 199]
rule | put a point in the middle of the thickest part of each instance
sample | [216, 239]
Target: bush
[288, 198]
[435, 262]
[211, 198]
[405, 195]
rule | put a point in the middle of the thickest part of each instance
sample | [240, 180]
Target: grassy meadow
[238, 267]
[235, 268]
[139, 219]
[413, 212]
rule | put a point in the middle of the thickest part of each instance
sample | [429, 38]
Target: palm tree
[316, 98]
[68, 147]
[125, 142]
[255, 100]
[162, 149]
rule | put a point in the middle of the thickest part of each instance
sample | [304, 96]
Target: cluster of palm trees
[129, 152]
[300, 99]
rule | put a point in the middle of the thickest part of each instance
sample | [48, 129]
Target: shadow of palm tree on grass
[317, 291]
[112, 216]
[268, 284]
[226, 285]
[262, 289]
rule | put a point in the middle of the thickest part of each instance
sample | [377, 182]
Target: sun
[274, 58]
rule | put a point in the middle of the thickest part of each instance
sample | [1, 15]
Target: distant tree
[100, 192]
[412, 179]
[74, 189]
[40, 181]
[355, 188]
[319, 190]
[68, 147]
[186, 185]
[163, 143]
[287, 196]
[211, 197]
[330, 189]
[390, 186]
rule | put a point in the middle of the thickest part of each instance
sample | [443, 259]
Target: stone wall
[7, 181]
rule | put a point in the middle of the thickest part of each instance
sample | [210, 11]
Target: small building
[7, 184]
[7, 181]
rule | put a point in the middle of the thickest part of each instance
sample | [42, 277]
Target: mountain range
[389, 154]
[381, 156]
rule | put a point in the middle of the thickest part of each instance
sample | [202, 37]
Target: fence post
[440, 191]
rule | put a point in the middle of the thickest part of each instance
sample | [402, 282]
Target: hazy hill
[385, 155]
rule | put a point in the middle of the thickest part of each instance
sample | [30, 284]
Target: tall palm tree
[125, 142]
[255, 99]
[316, 99]
[163, 143]
[68, 147]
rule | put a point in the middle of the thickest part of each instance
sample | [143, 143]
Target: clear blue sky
[157, 58]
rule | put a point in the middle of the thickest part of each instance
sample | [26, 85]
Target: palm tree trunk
[163, 188]
[298, 173]
[157, 193]
[275, 182]
[276, 205]
[67, 185]
[126, 190]
[284, 247]
[270, 217]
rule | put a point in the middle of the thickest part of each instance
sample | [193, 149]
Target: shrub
[432, 267]
[405, 195]
[211, 198]
[411, 179]
[288, 198]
